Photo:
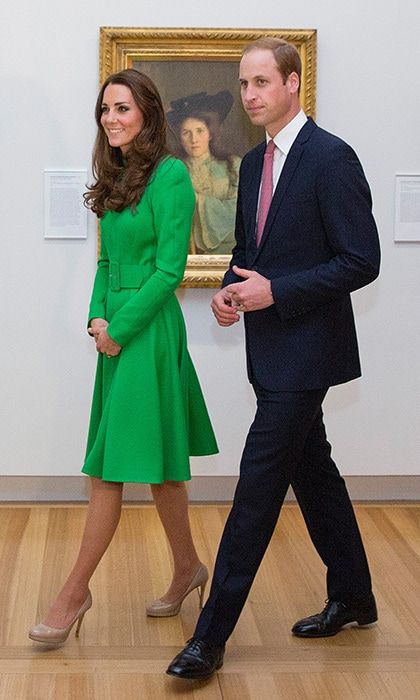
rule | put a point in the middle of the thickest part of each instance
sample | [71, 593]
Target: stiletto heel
[57, 635]
[79, 624]
[160, 608]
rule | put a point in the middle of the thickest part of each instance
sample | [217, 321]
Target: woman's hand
[105, 344]
[96, 325]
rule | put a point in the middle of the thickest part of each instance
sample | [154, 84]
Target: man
[291, 275]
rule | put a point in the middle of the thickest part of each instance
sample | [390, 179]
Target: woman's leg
[102, 518]
[171, 500]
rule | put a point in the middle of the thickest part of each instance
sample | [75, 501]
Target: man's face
[268, 100]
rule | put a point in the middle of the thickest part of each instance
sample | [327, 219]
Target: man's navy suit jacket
[320, 243]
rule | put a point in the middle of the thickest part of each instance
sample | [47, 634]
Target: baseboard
[201, 489]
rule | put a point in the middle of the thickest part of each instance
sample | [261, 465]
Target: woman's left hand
[106, 345]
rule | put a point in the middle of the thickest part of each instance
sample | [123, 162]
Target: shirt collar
[285, 137]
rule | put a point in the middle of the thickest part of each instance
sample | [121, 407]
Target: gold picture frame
[203, 61]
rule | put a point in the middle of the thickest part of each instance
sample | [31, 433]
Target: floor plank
[122, 654]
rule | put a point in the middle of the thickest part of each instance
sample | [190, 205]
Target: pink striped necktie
[266, 194]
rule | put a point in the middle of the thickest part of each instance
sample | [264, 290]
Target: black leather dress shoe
[197, 661]
[334, 616]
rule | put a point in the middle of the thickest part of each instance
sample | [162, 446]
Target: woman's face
[122, 120]
[195, 137]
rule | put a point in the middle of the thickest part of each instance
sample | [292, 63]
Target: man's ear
[294, 82]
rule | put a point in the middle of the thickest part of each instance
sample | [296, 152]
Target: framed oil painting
[196, 71]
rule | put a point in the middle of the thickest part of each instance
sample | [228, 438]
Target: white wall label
[407, 208]
[65, 215]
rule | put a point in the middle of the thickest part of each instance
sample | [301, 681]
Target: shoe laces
[328, 602]
[195, 644]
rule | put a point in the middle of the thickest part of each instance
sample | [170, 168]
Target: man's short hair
[285, 54]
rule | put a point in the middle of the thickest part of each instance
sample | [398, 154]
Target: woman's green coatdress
[148, 413]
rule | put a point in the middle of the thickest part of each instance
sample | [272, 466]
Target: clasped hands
[253, 294]
[103, 340]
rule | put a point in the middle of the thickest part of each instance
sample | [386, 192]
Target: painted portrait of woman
[196, 121]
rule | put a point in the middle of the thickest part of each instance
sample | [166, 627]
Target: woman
[196, 121]
[148, 413]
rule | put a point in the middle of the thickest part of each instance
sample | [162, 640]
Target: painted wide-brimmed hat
[220, 104]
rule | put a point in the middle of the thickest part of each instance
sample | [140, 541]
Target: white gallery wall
[367, 92]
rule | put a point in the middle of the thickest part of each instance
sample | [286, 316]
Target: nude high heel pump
[160, 608]
[58, 635]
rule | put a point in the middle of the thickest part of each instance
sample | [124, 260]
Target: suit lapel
[287, 173]
[251, 191]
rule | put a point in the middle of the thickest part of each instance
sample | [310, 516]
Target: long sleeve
[172, 201]
[100, 286]
[346, 210]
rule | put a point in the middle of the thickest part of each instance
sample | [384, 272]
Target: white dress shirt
[284, 141]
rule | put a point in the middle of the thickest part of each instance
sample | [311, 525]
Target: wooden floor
[122, 654]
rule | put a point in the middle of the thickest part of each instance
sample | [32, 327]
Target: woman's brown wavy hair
[119, 182]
